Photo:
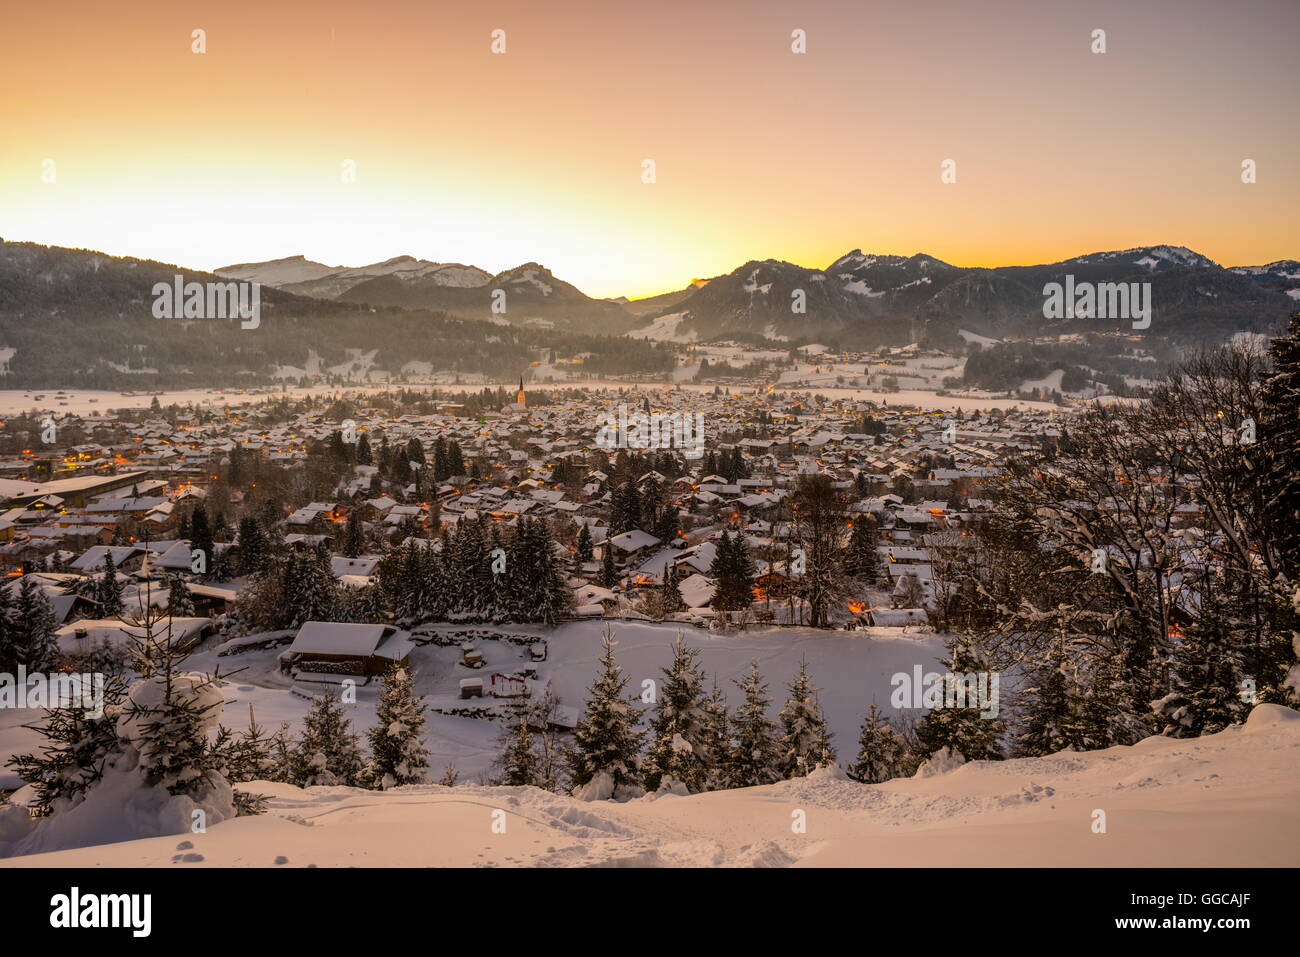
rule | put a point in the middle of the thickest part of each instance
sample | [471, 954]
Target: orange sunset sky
[462, 155]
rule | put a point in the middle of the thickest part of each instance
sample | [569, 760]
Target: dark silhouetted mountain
[870, 300]
[529, 295]
[300, 275]
[77, 317]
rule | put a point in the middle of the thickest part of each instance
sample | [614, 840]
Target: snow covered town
[433, 592]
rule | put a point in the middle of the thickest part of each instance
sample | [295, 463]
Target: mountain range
[528, 295]
[859, 299]
[80, 317]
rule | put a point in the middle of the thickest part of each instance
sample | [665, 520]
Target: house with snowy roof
[630, 546]
[345, 648]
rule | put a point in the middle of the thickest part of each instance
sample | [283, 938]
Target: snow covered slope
[300, 275]
[1229, 799]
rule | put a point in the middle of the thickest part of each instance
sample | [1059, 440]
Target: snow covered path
[1231, 799]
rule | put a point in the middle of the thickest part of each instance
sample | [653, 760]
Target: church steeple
[519, 397]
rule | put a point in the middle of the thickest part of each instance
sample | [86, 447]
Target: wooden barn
[345, 648]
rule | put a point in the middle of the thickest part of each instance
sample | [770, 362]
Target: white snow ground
[1223, 800]
[853, 669]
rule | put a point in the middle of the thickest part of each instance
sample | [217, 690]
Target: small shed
[347, 648]
[508, 686]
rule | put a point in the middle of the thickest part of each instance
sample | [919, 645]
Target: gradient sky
[234, 155]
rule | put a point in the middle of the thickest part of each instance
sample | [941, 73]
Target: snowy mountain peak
[278, 272]
[1151, 258]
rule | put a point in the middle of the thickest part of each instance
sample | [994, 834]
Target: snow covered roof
[93, 557]
[348, 639]
[340, 565]
[633, 541]
[696, 591]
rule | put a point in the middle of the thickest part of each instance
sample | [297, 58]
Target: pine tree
[1048, 722]
[9, 651]
[76, 747]
[33, 628]
[584, 550]
[201, 539]
[961, 729]
[516, 588]
[401, 469]
[253, 547]
[328, 752]
[455, 460]
[882, 752]
[434, 585]
[861, 560]
[282, 755]
[754, 757]
[397, 753]
[651, 496]
[665, 526]
[521, 764]
[805, 743]
[552, 598]
[605, 759]
[1207, 673]
[624, 509]
[365, 605]
[671, 595]
[311, 592]
[716, 739]
[167, 713]
[734, 570]
[250, 756]
[679, 726]
[354, 539]
[608, 573]
[469, 567]
[180, 603]
[110, 589]
[401, 574]
[1117, 703]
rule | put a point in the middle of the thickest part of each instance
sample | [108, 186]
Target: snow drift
[1229, 799]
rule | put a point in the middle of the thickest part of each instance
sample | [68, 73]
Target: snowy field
[85, 402]
[918, 379]
[1225, 800]
[852, 668]
[919, 398]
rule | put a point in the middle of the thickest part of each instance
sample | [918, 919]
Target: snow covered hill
[300, 275]
[1229, 800]
[873, 299]
[1150, 258]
